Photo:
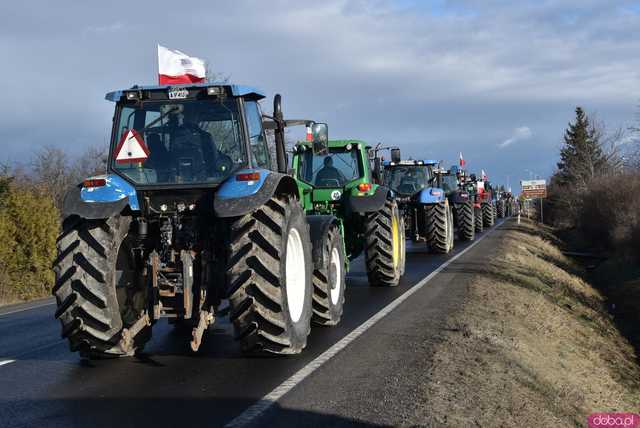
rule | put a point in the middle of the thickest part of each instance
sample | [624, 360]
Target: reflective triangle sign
[131, 148]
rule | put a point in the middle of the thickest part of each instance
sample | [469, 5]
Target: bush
[610, 213]
[29, 225]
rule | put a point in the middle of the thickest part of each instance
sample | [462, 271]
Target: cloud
[518, 134]
[433, 77]
[102, 29]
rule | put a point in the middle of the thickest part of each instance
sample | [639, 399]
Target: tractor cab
[327, 172]
[409, 177]
[187, 135]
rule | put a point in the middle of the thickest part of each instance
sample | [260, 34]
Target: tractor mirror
[395, 155]
[320, 133]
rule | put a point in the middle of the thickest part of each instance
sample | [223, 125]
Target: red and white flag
[461, 160]
[177, 67]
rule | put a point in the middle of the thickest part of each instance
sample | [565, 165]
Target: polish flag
[176, 67]
[461, 160]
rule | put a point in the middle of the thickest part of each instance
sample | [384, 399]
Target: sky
[497, 80]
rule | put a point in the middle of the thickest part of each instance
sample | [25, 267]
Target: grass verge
[533, 344]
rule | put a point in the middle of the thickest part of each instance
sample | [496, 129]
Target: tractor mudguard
[100, 202]
[236, 198]
[431, 195]
[367, 204]
[318, 227]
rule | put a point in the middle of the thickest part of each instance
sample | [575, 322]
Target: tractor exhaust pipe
[278, 118]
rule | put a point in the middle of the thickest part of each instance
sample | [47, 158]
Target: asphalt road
[43, 384]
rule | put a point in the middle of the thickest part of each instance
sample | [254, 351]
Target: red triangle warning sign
[131, 148]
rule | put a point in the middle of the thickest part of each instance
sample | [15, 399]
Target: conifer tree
[581, 157]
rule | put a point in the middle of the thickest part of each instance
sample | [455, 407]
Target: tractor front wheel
[477, 217]
[269, 271]
[384, 252]
[329, 280]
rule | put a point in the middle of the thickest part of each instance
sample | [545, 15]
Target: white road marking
[26, 309]
[2, 363]
[257, 409]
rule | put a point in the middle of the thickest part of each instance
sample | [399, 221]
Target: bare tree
[51, 173]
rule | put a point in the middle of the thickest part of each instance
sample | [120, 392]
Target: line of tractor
[193, 222]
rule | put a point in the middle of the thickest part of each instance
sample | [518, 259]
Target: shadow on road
[158, 411]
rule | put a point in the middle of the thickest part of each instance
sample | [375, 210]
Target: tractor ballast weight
[426, 210]
[189, 215]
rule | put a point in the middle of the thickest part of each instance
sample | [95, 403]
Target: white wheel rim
[295, 276]
[337, 268]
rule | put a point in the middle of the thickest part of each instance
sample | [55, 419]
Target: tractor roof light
[131, 95]
[348, 146]
[214, 90]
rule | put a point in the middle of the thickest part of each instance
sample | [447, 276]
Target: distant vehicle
[427, 212]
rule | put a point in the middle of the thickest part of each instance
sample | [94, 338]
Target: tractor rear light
[364, 187]
[436, 192]
[248, 176]
[94, 182]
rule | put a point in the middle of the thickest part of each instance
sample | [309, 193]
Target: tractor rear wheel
[501, 209]
[466, 221]
[488, 215]
[477, 217]
[383, 247]
[269, 271]
[96, 290]
[329, 280]
[439, 227]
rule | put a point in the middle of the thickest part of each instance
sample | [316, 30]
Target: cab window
[257, 142]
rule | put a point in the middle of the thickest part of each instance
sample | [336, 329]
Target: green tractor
[337, 186]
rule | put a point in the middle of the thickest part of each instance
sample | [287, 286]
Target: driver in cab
[329, 174]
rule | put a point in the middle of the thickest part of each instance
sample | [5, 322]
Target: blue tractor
[191, 221]
[427, 213]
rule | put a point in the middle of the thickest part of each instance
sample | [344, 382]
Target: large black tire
[501, 208]
[270, 312]
[403, 246]
[329, 280]
[477, 217]
[95, 289]
[383, 245]
[439, 220]
[488, 214]
[466, 221]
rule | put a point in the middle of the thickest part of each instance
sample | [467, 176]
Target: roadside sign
[534, 188]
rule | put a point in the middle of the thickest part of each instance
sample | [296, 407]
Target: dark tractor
[190, 216]
[454, 183]
[427, 213]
